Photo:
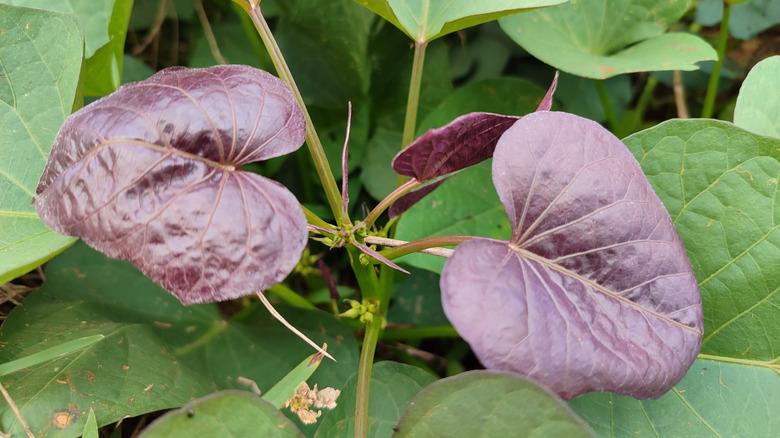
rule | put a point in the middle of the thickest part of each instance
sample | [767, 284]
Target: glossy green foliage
[41, 62]
[481, 403]
[224, 414]
[600, 38]
[156, 354]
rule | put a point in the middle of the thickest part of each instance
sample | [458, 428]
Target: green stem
[388, 201]
[712, 86]
[646, 97]
[609, 112]
[365, 367]
[315, 220]
[424, 243]
[413, 100]
[312, 139]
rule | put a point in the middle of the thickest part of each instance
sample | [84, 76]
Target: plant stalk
[712, 86]
[365, 366]
[609, 111]
[423, 244]
[312, 139]
[413, 100]
[384, 204]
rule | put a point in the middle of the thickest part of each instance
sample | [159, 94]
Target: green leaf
[156, 354]
[417, 301]
[466, 203]
[377, 174]
[604, 38]
[748, 18]
[224, 414]
[48, 354]
[285, 388]
[103, 69]
[105, 27]
[715, 399]
[426, 20]
[90, 428]
[509, 96]
[489, 404]
[719, 183]
[40, 61]
[327, 45]
[393, 386]
[754, 111]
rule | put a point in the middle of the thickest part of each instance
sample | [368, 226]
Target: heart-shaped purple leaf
[594, 292]
[150, 174]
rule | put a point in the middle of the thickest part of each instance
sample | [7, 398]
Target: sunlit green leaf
[754, 111]
[40, 61]
[603, 38]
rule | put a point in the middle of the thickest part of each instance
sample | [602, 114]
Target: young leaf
[150, 174]
[594, 291]
[465, 141]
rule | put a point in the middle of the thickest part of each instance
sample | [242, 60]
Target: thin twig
[18, 413]
[204, 21]
[679, 95]
[281, 319]
[155, 30]
[384, 241]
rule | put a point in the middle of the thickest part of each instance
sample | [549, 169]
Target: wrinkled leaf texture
[150, 174]
[594, 291]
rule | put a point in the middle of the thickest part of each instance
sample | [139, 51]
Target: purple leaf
[467, 140]
[150, 174]
[594, 292]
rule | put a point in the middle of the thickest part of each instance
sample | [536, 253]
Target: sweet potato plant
[465, 246]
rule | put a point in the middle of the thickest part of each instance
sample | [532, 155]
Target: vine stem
[384, 204]
[312, 139]
[712, 86]
[428, 245]
[609, 111]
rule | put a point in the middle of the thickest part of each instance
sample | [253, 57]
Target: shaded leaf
[150, 174]
[393, 386]
[594, 291]
[427, 20]
[601, 38]
[489, 404]
[754, 111]
[224, 414]
[157, 353]
[41, 55]
[748, 18]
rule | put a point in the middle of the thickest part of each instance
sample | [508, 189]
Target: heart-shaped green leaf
[426, 20]
[601, 38]
[41, 59]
